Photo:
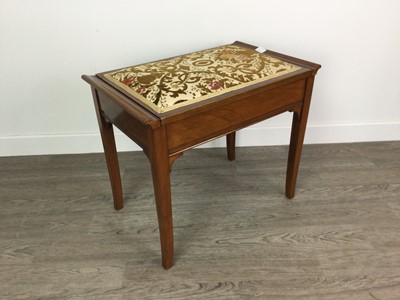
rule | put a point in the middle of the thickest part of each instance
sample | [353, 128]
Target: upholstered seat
[168, 84]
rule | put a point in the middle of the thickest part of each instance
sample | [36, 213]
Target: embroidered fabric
[168, 84]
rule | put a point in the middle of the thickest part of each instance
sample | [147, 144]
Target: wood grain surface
[236, 235]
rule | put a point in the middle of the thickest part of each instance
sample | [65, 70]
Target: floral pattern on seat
[168, 84]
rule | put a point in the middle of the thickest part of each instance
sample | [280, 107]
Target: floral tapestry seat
[168, 84]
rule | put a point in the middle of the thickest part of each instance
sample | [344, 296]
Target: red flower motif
[127, 80]
[141, 90]
[226, 51]
[216, 85]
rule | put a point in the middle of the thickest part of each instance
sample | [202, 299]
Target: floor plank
[236, 235]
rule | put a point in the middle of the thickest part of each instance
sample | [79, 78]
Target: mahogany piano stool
[173, 105]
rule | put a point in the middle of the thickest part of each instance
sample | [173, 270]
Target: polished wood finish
[159, 161]
[236, 235]
[165, 136]
[107, 136]
[207, 124]
[230, 145]
[296, 140]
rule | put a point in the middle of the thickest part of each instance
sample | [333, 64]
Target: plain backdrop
[46, 45]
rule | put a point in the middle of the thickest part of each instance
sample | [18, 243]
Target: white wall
[46, 45]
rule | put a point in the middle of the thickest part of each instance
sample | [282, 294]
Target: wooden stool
[173, 105]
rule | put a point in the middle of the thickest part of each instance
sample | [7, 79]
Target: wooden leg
[295, 148]
[230, 145]
[296, 141]
[110, 151]
[159, 161]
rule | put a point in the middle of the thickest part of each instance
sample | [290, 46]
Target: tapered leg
[110, 151]
[159, 161]
[296, 140]
[230, 145]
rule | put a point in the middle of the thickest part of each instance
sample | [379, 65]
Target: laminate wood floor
[236, 235]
